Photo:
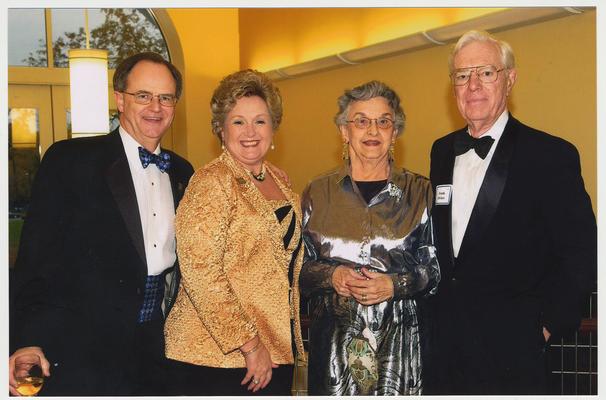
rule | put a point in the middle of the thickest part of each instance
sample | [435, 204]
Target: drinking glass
[28, 374]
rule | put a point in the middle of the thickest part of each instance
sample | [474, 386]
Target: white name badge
[443, 195]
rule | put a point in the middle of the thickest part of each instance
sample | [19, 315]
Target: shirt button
[154, 245]
[154, 214]
[152, 184]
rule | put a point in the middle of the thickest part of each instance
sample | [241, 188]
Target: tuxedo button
[138, 290]
[453, 279]
[121, 281]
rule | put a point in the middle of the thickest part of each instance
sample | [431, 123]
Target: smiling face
[247, 132]
[371, 144]
[480, 104]
[146, 123]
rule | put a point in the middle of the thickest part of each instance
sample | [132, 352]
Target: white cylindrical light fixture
[89, 91]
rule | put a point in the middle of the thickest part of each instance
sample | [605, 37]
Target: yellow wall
[209, 40]
[278, 37]
[555, 92]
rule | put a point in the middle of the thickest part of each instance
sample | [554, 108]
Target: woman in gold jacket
[235, 326]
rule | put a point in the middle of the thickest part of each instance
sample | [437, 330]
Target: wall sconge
[88, 84]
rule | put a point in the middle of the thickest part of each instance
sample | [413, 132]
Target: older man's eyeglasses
[365, 122]
[144, 98]
[485, 73]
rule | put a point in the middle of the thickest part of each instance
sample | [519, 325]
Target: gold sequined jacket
[234, 270]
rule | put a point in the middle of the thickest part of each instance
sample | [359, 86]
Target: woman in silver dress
[369, 255]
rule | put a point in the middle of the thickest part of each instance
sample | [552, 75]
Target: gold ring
[256, 381]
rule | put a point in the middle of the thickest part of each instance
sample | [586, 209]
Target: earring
[392, 151]
[272, 145]
[345, 152]
[222, 146]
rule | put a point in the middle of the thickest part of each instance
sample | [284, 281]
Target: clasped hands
[367, 287]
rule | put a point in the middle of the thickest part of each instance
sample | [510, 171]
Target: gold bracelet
[255, 348]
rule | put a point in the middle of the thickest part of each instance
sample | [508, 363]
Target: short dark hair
[124, 68]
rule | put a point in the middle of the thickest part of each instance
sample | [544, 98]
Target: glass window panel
[23, 162]
[68, 33]
[26, 37]
[121, 31]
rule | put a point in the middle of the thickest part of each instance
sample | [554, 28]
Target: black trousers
[150, 375]
[194, 380]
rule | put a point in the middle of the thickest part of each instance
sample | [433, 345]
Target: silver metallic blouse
[392, 234]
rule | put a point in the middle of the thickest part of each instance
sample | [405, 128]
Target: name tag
[443, 195]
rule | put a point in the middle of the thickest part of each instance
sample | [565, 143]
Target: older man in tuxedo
[95, 272]
[515, 232]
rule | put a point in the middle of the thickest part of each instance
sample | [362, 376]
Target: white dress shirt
[156, 208]
[468, 175]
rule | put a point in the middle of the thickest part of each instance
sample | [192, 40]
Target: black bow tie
[161, 160]
[464, 142]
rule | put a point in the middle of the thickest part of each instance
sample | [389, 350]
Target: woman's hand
[258, 364]
[343, 277]
[375, 288]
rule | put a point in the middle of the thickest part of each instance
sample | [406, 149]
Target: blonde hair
[240, 84]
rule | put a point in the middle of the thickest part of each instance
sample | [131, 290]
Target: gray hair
[367, 91]
[505, 50]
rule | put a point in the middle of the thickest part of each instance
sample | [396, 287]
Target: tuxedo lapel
[491, 190]
[120, 182]
[177, 184]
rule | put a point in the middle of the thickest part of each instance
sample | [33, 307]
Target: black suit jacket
[528, 259]
[81, 268]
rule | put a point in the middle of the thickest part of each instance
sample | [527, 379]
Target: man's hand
[37, 351]
[546, 334]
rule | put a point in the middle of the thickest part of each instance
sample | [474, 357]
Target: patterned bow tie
[465, 142]
[161, 160]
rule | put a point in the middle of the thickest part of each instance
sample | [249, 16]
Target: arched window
[122, 31]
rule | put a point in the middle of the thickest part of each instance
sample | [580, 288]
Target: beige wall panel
[209, 40]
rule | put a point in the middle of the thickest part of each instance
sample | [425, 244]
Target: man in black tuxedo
[515, 232]
[95, 272]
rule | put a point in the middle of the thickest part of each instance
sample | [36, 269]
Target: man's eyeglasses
[485, 73]
[144, 98]
[365, 122]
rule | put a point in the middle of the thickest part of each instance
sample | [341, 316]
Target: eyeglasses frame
[152, 98]
[475, 71]
[371, 121]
